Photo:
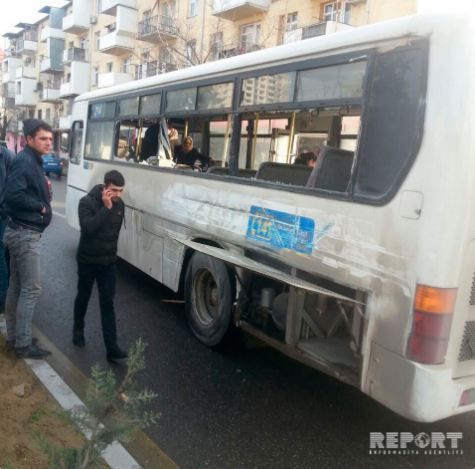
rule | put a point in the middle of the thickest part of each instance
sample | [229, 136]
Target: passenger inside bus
[307, 158]
[187, 155]
[150, 142]
[124, 151]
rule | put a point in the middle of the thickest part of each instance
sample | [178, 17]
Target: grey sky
[26, 11]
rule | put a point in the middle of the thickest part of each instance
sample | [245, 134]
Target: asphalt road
[235, 408]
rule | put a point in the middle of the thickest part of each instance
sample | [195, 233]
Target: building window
[95, 76]
[192, 7]
[216, 45]
[40, 114]
[126, 65]
[97, 37]
[249, 37]
[48, 115]
[98, 6]
[191, 52]
[292, 21]
[109, 67]
[330, 12]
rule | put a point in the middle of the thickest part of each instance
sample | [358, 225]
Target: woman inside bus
[187, 155]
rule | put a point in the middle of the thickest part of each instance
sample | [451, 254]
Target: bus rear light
[467, 397]
[431, 322]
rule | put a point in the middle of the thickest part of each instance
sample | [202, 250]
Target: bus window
[219, 139]
[125, 148]
[280, 138]
[99, 137]
[64, 141]
[76, 142]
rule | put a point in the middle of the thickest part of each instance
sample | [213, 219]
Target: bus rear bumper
[424, 393]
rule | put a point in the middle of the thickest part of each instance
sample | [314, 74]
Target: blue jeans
[3, 267]
[25, 288]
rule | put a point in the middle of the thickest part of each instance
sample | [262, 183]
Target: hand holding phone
[107, 198]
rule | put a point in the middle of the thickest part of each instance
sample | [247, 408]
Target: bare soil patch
[23, 417]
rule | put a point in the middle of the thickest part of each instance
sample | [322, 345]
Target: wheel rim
[206, 296]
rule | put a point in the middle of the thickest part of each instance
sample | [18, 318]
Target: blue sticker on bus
[281, 230]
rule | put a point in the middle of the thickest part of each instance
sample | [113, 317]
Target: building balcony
[78, 21]
[13, 125]
[74, 54]
[26, 72]
[8, 90]
[157, 28]
[49, 94]
[52, 33]
[236, 10]
[9, 66]
[78, 82]
[25, 92]
[116, 43]
[26, 46]
[314, 30]
[231, 51]
[155, 67]
[112, 78]
[51, 66]
[109, 7]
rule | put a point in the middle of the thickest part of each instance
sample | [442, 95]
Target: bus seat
[242, 173]
[333, 169]
[218, 170]
[246, 173]
[284, 173]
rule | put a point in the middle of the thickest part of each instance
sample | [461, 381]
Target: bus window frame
[236, 111]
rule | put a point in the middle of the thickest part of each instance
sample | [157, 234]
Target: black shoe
[32, 351]
[78, 338]
[11, 343]
[116, 353]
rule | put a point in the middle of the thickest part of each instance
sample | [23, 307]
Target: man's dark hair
[305, 158]
[32, 126]
[114, 177]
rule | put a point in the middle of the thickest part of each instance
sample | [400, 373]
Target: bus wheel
[209, 296]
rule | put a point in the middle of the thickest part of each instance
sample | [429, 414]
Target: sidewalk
[35, 412]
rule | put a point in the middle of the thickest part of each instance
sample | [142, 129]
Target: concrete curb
[115, 455]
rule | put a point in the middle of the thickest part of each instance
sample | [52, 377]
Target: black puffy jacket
[5, 163]
[100, 228]
[26, 192]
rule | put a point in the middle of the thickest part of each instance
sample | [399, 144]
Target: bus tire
[209, 295]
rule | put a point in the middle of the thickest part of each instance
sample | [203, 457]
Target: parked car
[52, 164]
[3, 143]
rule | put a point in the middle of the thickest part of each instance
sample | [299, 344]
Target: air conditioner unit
[93, 20]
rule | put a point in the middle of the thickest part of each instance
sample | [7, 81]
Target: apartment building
[89, 44]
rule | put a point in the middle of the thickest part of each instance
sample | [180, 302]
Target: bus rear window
[393, 127]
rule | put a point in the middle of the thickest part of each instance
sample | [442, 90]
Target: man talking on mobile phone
[101, 213]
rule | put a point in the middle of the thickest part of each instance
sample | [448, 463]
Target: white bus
[362, 266]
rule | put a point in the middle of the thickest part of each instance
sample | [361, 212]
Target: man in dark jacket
[28, 206]
[5, 162]
[101, 213]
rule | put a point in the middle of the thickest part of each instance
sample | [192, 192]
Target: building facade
[90, 44]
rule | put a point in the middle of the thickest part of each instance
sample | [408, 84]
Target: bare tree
[177, 41]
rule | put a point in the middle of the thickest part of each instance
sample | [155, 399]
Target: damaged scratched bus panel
[313, 195]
